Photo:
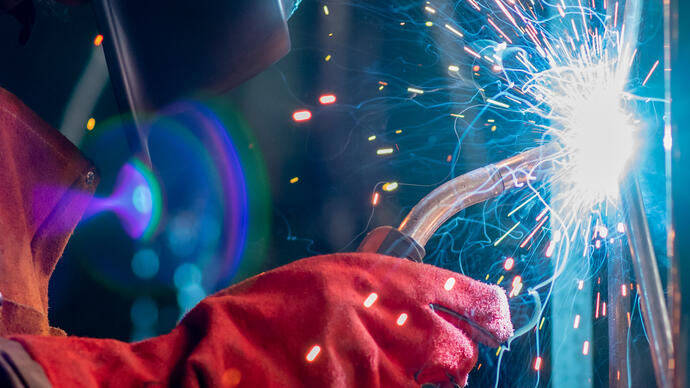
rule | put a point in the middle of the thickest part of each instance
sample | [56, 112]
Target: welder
[350, 319]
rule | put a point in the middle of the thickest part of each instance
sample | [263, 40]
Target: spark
[560, 10]
[474, 5]
[503, 34]
[517, 286]
[509, 263]
[327, 99]
[294, 180]
[369, 301]
[550, 248]
[313, 353]
[537, 363]
[454, 30]
[98, 40]
[522, 204]
[472, 52]
[650, 72]
[506, 234]
[615, 14]
[529, 237]
[384, 151]
[390, 186]
[497, 103]
[506, 12]
[449, 284]
[415, 90]
[402, 318]
[301, 115]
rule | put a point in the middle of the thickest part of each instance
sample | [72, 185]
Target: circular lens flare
[136, 200]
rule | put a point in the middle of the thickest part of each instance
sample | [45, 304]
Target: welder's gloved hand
[343, 320]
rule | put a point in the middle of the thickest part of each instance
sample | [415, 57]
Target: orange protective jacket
[343, 320]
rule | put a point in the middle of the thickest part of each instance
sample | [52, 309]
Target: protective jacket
[342, 320]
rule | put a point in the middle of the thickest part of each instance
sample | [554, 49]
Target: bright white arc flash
[590, 117]
[599, 143]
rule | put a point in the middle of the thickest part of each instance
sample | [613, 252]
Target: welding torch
[409, 239]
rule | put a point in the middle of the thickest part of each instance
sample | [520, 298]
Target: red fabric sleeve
[339, 320]
[46, 184]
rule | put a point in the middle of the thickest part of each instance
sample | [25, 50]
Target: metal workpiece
[474, 187]
[651, 292]
[618, 275]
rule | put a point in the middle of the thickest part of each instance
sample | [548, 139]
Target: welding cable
[409, 239]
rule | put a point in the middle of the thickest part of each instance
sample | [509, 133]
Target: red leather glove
[315, 323]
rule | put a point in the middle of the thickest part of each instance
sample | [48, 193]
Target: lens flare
[136, 200]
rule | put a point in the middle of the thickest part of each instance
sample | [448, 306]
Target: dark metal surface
[618, 268]
[677, 57]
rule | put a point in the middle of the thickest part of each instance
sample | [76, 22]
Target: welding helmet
[161, 51]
